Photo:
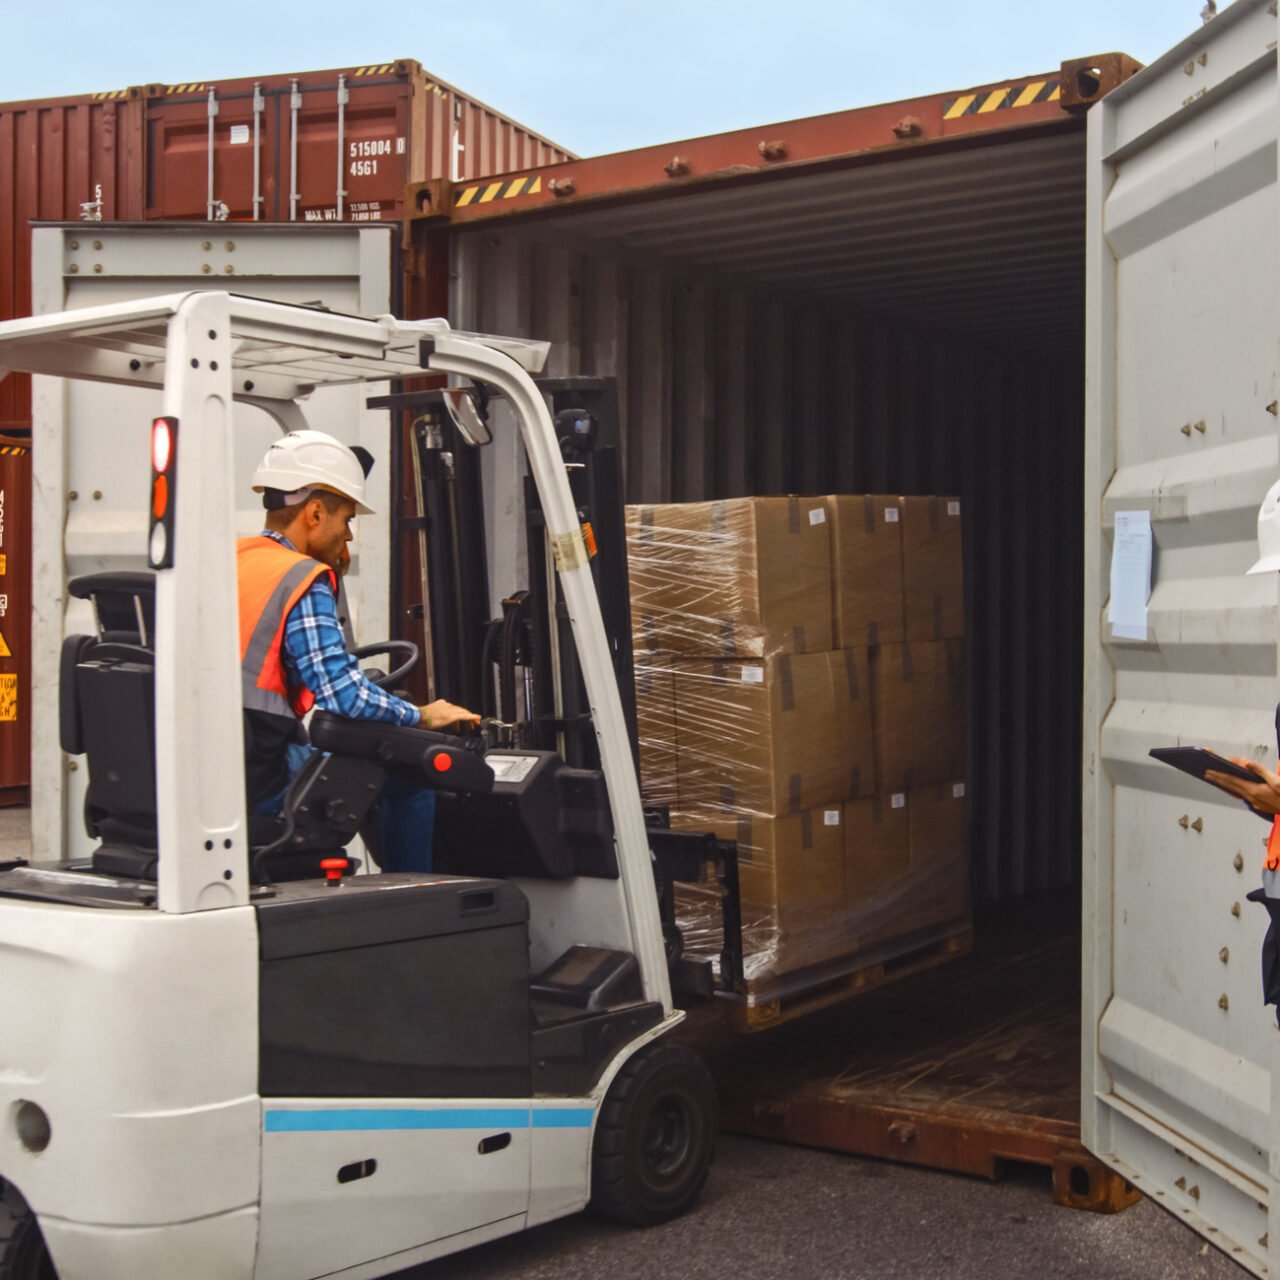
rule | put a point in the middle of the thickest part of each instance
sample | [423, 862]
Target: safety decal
[981, 104]
[381, 69]
[505, 190]
[110, 94]
[185, 88]
[13, 451]
[8, 697]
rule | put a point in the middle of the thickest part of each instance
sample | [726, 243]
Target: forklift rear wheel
[23, 1252]
[655, 1138]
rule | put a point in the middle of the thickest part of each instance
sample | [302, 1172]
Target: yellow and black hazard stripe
[13, 450]
[379, 69]
[1011, 96]
[110, 95]
[186, 88]
[431, 87]
[505, 189]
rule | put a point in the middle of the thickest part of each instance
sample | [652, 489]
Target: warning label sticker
[5, 651]
[8, 697]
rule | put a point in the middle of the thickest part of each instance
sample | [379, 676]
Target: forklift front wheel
[655, 1138]
[23, 1252]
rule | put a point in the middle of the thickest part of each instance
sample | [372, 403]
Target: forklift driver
[293, 654]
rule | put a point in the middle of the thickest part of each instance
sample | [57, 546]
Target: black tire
[23, 1252]
[655, 1138]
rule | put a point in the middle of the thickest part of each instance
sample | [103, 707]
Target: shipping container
[93, 501]
[318, 146]
[900, 300]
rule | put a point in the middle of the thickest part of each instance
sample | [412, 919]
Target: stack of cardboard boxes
[799, 680]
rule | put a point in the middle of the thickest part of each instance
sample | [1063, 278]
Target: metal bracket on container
[295, 105]
[259, 103]
[344, 96]
[430, 199]
[211, 204]
[1085, 80]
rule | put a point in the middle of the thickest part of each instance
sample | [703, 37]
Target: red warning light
[442, 762]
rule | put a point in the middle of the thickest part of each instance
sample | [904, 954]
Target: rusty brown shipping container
[324, 146]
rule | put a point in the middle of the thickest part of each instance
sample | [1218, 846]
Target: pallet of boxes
[800, 689]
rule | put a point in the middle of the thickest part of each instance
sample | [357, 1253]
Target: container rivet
[1189, 69]
[97, 268]
[1184, 822]
[97, 244]
[230, 246]
[1200, 427]
[1238, 862]
[1224, 955]
[75, 244]
[908, 127]
[73, 495]
[561, 186]
[1185, 428]
[97, 495]
[773, 150]
[1274, 408]
[206, 245]
[72, 766]
[1198, 825]
[206, 269]
[1223, 1002]
[74, 268]
[676, 167]
[1235, 909]
[228, 270]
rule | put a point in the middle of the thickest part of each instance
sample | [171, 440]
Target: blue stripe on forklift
[352, 1120]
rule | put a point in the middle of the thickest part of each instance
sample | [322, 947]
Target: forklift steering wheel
[405, 649]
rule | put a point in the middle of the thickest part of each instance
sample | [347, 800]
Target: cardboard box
[877, 851]
[656, 728]
[932, 569]
[866, 570]
[918, 714]
[746, 577]
[771, 737]
[791, 874]
[939, 852]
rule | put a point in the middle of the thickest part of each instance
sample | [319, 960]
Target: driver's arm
[315, 654]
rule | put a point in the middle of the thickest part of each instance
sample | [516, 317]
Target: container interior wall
[726, 391]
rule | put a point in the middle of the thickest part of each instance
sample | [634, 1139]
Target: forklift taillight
[164, 454]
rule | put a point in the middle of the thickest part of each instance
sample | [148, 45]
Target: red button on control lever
[333, 869]
[442, 762]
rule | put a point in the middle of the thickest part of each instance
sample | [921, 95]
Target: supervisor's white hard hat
[306, 460]
[1269, 532]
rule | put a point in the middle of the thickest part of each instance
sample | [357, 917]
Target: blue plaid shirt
[315, 656]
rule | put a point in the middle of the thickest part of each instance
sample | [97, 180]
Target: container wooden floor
[965, 1067]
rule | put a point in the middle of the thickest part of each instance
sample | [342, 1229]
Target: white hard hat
[1269, 532]
[306, 460]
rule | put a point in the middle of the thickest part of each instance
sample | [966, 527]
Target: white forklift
[222, 1055]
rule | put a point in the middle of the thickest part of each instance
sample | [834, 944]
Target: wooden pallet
[970, 1068]
[771, 1003]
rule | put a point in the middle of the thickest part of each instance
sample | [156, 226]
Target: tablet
[1198, 761]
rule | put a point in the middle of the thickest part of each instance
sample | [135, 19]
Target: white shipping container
[1180, 1060]
[91, 492]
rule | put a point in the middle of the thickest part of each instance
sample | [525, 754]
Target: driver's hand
[443, 716]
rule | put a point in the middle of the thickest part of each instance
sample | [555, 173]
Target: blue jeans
[406, 816]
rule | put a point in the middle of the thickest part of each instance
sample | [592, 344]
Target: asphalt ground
[774, 1212]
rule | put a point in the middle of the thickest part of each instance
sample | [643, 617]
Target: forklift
[223, 1053]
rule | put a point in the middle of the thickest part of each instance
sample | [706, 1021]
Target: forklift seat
[107, 713]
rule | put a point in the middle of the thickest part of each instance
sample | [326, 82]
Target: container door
[1183, 375]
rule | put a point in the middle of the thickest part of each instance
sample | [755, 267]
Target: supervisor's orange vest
[272, 579]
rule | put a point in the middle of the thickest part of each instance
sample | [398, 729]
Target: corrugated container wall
[321, 146]
[727, 389]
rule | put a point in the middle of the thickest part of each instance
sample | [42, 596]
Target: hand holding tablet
[1247, 780]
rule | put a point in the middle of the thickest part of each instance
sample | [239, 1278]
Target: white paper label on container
[898, 800]
[891, 515]
[831, 817]
[953, 508]
[958, 791]
[239, 134]
[1130, 576]
[753, 675]
[817, 516]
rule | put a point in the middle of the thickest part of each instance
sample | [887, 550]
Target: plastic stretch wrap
[838, 769]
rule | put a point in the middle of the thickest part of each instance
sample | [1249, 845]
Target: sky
[592, 75]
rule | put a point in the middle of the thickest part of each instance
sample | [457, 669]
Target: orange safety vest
[272, 579]
[1272, 861]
